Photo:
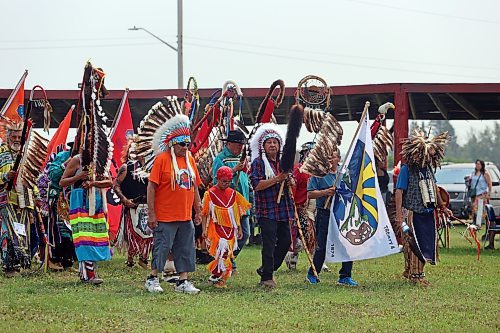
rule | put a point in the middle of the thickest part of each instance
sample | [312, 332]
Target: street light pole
[178, 49]
[180, 55]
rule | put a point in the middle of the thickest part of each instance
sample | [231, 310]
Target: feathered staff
[290, 146]
[201, 130]
[26, 131]
[381, 135]
[191, 103]
[269, 103]
[231, 92]
[93, 133]
[33, 159]
[286, 164]
[206, 143]
[317, 162]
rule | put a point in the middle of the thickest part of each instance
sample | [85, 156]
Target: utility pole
[180, 51]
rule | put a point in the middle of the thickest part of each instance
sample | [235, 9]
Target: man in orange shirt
[172, 194]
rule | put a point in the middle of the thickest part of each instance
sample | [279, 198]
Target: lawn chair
[492, 224]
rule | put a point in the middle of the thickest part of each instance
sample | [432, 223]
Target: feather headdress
[172, 132]
[422, 151]
[263, 133]
[158, 115]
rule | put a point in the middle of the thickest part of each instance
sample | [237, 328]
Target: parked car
[452, 178]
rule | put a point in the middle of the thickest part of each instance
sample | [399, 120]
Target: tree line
[483, 144]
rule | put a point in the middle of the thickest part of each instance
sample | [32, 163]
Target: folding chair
[492, 223]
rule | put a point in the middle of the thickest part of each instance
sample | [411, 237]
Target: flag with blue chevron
[359, 226]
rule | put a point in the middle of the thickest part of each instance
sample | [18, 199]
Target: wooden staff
[337, 178]
[280, 193]
[46, 254]
[301, 234]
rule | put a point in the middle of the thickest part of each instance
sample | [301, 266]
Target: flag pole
[119, 113]
[337, 178]
[13, 93]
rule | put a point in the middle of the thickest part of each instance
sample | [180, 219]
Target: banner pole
[337, 178]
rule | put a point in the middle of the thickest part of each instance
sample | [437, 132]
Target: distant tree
[440, 126]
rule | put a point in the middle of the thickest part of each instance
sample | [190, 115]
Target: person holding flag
[322, 188]
[356, 226]
[14, 235]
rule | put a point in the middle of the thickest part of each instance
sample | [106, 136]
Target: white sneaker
[187, 288]
[153, 285]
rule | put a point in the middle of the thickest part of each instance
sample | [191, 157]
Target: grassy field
[464, 297]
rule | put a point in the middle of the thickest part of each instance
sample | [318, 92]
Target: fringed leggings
[414, 267]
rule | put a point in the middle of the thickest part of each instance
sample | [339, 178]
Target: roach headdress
[422, 150]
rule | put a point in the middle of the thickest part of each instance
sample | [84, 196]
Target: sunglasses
[184, 144]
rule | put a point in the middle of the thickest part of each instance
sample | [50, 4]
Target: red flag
[121, 130]
[14, 107]
[58, 141]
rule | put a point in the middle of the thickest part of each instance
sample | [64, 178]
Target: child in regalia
[222, 208]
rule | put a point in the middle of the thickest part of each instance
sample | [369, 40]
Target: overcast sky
[252, 42]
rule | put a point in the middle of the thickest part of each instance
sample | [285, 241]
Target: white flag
[359, 226]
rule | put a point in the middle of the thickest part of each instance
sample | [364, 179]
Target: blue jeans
[322, 221]
[245, 228]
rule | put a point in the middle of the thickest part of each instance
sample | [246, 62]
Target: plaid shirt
[266, 200]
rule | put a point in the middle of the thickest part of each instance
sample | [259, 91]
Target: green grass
[464, 297]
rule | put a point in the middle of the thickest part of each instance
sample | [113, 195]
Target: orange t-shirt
[173, 205]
